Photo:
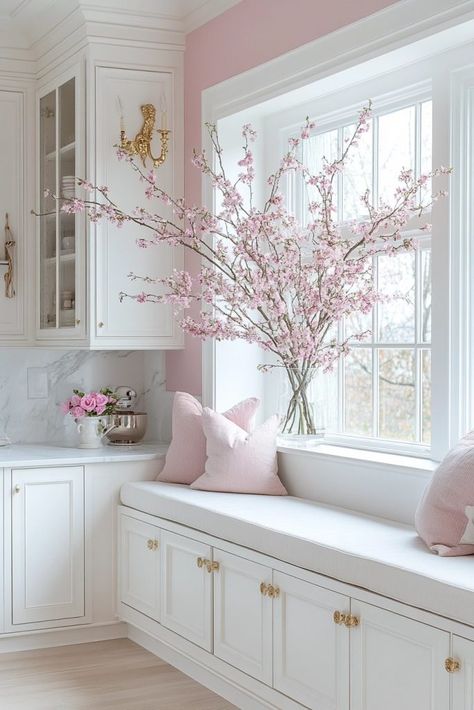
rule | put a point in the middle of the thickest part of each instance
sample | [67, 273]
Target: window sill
[409, 464]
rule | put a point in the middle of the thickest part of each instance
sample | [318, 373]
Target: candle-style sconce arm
[141, 144]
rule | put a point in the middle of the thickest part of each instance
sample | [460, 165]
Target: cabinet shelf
[69, 148]
[64, 258]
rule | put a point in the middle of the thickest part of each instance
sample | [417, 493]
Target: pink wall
[250, 33]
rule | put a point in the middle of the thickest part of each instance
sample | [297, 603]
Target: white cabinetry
[140, 566]
[186, 593]
[243, 615]
[463, 679]
[47, 524]
[129, 323]
[311, 656]
[12, 196]
[397, 662]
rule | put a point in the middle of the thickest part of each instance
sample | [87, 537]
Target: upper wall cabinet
[82, 268]
[61, 242]
[12, 196]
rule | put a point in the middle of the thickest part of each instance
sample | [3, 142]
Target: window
[382, 388]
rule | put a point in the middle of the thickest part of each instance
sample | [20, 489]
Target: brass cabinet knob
[100, 324]
[209, 565]
[152, 544]
[452, 665]
[268, 590]
[351, 621]
[339, 618]
[78, 321]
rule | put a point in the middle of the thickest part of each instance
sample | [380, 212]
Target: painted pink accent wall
[250, 33]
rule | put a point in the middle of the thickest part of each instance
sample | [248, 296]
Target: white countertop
[47, 455]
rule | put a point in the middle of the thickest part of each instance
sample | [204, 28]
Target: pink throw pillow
[445, 515]
[239, 462]
[186, 456]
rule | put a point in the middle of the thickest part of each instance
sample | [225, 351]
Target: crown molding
[207, 12]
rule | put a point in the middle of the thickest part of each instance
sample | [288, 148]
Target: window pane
[358, 323]
[397, 400]
[357, 176]
[426, 396]
[425, 320]
[316, 149]
[396, 278]
[396, 147]
[358, 392]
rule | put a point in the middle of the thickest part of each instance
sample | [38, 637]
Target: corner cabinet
[82, 267]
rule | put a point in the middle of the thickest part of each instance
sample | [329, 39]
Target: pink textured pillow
[186, 456]
[239, 462]
[445, 515]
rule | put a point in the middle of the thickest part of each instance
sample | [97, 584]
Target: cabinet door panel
[186, 591]
[140, 566]
[397, 663]
[463, 680]
[146, 325]
[47, 544]
[311, 652]
[243, 615]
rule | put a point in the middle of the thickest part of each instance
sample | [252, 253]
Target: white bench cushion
[376, 554]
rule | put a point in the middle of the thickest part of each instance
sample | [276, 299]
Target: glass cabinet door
[58, 228]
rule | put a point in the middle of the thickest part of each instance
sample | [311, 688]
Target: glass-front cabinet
[61, 232]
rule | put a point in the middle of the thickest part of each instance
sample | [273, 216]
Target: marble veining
[32, 420]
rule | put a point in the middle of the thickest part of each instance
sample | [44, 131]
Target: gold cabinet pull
[339, 618]
[351, 621]
[452, 665]
[268, 590]
[208, 564]
[152, 544]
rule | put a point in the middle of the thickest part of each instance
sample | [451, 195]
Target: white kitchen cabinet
[47, 544]
[127, 323]
[140, 566]
[12, 197]
[311, 652]
[463, 678]
[243, 615]
[397, 662]
[186, 588]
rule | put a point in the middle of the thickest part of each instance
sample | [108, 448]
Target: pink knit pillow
[445, 515]
[186, 456]
[239, 462]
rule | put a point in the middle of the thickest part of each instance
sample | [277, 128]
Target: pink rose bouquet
[90, 404]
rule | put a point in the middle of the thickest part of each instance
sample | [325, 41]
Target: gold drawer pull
[152, 544]
[351, 621]
[339, 618]
[452, 665]
[208, 564]
[268, 590]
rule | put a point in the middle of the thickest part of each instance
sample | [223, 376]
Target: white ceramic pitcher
[92, 430]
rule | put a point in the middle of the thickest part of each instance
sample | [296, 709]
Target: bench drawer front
[186, 588]
[397, 663]
[311, 652]
[140, 566]
[243, 615]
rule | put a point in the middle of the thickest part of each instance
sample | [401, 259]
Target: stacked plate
[68, 186]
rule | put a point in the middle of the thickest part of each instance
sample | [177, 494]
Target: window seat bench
[379, 555]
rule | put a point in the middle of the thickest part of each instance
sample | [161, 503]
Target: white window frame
[296, 197]
[335, 61]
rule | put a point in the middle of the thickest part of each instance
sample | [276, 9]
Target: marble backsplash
[27, 418]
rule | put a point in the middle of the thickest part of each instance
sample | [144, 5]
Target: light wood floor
[91, 676]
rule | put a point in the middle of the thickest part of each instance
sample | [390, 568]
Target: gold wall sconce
[141, 144]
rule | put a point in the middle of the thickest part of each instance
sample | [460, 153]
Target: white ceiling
[22, 22]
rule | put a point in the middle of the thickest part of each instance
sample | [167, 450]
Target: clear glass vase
[301, 406]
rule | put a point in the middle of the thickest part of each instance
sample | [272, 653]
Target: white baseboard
[48, 638]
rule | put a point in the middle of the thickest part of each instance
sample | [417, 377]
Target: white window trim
[406, 32]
